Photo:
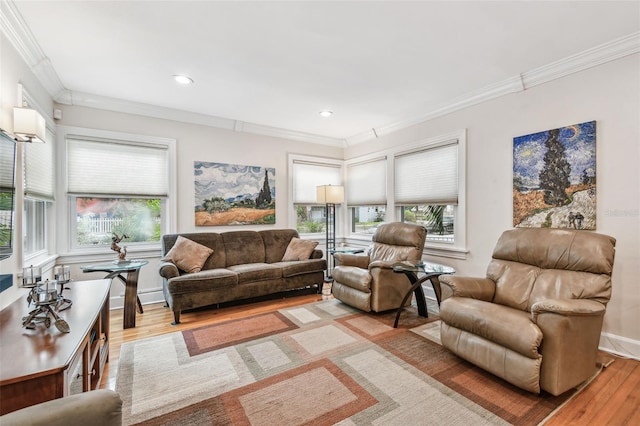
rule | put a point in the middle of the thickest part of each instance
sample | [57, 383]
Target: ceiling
[278, 64]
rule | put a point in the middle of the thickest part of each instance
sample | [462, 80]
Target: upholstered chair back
[528, 265]
[396, 242]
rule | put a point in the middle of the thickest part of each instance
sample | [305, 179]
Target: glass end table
[115, 269]
[418, 272]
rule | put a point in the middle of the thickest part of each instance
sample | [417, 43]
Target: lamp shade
[330, 194]
[28, 125]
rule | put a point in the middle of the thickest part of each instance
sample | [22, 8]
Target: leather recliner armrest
[567, 307]
[474, 288]
[348, 259]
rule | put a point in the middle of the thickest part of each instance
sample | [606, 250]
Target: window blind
[367, 183]
[39, 169]
[428, 176]
[7, 162]
[307, 176]
[118, 168]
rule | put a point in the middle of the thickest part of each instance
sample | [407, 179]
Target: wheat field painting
[554, 178]
[232, 194]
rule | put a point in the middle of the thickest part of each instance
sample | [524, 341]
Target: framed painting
[231, 194]
[554, 178]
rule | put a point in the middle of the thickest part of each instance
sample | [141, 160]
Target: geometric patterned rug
[323, 363]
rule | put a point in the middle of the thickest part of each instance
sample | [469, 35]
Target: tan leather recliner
[367, 282]
[535, 320]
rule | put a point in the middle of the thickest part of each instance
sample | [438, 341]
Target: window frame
[293, 219]
[457, 249]
[67, 244]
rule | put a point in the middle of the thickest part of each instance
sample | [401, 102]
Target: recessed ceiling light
[183, 79]
[326, 113]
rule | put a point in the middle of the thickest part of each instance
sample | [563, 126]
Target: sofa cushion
[276, 242]
[299, 249]
[243, 247]
[202, 281]
[252, 272]
[508, 327]
[188, 255]
[291, 269]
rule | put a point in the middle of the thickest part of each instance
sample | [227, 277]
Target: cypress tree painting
[231, 194]
[554, 178]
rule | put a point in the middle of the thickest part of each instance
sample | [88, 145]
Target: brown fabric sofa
[244, 264]
[535, 320]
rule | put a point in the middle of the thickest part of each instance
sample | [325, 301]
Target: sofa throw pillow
[299, 249]
[188, 255]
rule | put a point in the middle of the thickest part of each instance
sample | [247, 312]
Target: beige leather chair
[367, 281]
[535, 320]
[95, 408]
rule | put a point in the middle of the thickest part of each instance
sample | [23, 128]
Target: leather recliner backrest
[397, 241]
[531, 264]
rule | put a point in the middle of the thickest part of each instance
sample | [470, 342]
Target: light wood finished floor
[613, 398]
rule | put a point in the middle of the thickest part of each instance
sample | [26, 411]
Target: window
[38, 195]
[307, 175]
[367, 194]
[426, 189]
[116, 186]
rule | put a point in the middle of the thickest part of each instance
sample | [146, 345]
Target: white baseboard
[619, 345]
[146, 298]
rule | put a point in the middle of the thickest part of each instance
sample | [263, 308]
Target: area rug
[317, 364]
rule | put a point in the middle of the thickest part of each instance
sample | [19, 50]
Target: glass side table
[115, 270]
[427, 271]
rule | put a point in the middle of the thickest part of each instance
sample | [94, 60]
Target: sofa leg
[176, 318]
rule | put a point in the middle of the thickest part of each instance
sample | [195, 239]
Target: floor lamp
[330, 195]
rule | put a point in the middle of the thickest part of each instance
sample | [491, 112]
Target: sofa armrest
[168, 270]
[348, 259]
[316, 254]
[567, 307]
[101, 407]
[474, 288]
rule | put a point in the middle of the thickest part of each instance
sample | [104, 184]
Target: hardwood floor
[613, 398]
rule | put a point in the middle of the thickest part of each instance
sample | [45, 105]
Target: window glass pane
[310, 219]
[365, 219]
[137, 218]
[438, 219]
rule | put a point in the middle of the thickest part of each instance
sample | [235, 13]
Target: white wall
[609, 94]
[14, 71]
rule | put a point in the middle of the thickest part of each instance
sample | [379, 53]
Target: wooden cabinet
[43, 364]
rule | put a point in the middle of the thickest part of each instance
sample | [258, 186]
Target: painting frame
[554, 178]
[232, 194]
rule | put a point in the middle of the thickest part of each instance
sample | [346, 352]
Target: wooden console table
[43, 364]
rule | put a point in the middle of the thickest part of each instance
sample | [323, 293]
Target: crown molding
[19, 34]
[21, 37]
[586, 59]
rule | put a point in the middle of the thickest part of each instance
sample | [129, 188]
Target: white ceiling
[278, 64]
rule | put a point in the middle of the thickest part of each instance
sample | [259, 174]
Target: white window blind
[307, 176]
[118, 168]
[428, 176]
[39, 169]
[367, 183]
[7, 162]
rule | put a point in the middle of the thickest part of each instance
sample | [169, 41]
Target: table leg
[418, 291]
[131, 299]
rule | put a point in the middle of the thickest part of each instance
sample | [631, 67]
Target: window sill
[106, 254]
